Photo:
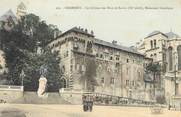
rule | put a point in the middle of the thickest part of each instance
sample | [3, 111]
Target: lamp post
[22, 75]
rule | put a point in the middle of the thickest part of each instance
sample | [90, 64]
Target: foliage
[32, 70]
[90, 74]
[20, 46]
[154, 68]
[160, 99]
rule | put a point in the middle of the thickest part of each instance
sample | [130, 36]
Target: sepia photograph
[90, 58]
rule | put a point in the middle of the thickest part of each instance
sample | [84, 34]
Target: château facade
[91, 64]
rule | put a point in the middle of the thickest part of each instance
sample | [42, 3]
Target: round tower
[21, 10]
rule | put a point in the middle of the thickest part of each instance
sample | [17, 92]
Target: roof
[7, 15]
[116, 46]
[169, 35]
[79, 30]
[101, 42]
[172, 35]
[155, 33]
[22, 6]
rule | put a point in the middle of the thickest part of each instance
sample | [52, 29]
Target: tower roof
[22, 6]
[155, 33]
[172, 35]
[169, 35]
[78, 30]
[7, 15]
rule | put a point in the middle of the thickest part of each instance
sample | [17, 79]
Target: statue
[42, 81]
[42, 86]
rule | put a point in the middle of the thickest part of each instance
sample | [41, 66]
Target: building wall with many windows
[91, 64]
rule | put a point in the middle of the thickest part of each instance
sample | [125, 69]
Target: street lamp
[22, 75]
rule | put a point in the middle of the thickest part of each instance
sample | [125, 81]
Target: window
[67, 53]
[66, 44]
[154, 43]
[139, 75]
[77, 67]
[71, 68]
[112, 81]
[127, 82]
[151, 44]
[155, 56]
[117, 65]
[97, 55]
[101, 56]
[170, 61]
[111, 58]
[75, 46]
[80, 68]
[64, 83]
[83, 69]
[102, 80]
[127, 60]
[127, 71]
[133, 83]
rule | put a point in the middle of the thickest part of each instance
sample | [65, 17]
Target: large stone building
[91, 64]
[165, 49]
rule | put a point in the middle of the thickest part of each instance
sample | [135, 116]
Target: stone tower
[21, 10]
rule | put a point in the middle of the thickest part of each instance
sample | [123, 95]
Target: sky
[129, 24]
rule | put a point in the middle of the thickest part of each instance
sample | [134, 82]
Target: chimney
[114, 42]
[86, 30]
[92, 33]
[55, 34]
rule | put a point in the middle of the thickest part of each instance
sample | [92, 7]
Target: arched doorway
[63, 83]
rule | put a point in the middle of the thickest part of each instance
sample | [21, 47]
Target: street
[30, 110]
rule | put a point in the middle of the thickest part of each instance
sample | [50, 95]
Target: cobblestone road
[30, 110]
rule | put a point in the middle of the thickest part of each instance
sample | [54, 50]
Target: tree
[155, 69]
[32, 70]
[20, 46]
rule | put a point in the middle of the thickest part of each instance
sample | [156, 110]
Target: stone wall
[10, 96]
[15, 96]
